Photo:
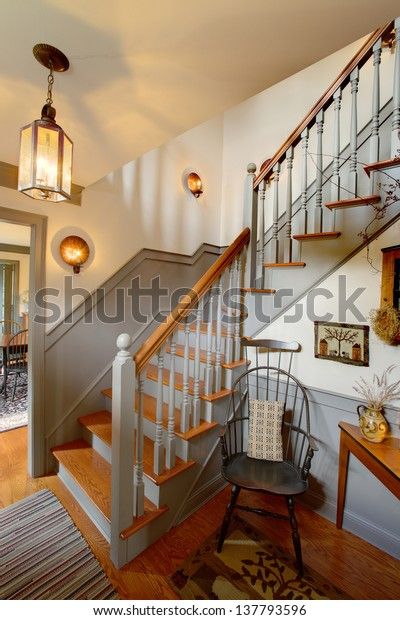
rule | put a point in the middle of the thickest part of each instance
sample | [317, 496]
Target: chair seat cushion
[281, 478]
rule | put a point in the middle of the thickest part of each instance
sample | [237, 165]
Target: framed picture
[342, 342]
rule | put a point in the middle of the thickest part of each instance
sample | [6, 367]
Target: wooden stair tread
[262, 291]
[152, 373]
[354, 202]
[180, 352]
[279, 265]
[149, 412]
[104, 419]
[203, 327]
[93, 475]
[317, 236]
[90, 471]
[379, 165]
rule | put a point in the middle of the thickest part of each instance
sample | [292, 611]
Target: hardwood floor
[353, 565]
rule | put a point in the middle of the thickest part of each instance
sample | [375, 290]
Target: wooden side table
[382, 460]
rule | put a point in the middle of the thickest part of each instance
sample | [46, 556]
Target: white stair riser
[181, 446]
[93, 512]
[151, 489]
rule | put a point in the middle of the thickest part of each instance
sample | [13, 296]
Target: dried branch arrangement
[380, 391]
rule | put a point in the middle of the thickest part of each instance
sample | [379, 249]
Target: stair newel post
[208, 373]
[274, 244]
[319, 173]
[158, 443]
[395, 142]
[376, 104]
[171, 441]
[229, 312]
[196, 377]
[287, 249]
[354, 77]
[238, 298]
[138, 484]
[335, 179]
[218, 338]
[302, 217]
[185, 408]
[250, 217]
[261, 233]
[123, 396]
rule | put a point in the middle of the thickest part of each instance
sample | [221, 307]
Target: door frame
[37, 281]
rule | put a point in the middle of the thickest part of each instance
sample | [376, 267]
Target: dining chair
[15, 360]
[266, 442]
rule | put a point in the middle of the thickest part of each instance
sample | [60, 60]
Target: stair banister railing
[269, 172]
[129, 375]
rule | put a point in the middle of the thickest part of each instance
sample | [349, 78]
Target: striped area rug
[44, 556]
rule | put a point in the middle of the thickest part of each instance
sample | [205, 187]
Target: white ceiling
[14, 234]
[144, 71]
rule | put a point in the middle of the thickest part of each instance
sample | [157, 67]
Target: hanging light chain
[50, 82]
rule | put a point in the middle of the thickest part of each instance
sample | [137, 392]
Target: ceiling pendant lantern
[45, 161]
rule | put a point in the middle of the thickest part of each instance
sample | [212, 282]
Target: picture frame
[345, 343]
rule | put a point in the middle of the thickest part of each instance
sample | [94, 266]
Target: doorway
[21, 304]
[15, 242]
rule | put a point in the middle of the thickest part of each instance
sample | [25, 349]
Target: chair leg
[227, 518]
[15, 386]
[5, 383]
[295, 535]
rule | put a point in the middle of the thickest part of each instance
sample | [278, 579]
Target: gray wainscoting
[79, 353]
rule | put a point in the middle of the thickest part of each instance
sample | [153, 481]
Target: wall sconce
[45, 161]
[74, 251]
[194, 184]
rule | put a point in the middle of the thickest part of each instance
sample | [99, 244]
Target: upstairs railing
[202, 308]
[312, 166]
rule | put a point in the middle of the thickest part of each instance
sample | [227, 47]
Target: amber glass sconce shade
[194, 184]
[74, 251]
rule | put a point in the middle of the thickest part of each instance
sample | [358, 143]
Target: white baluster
[158, 443]
[196, 378]
[303, 224]
[138, 484]
[208, 373]
[123, 396]
[218, 339]
[229, 328]
[261, 233]
[239, 295]
[395, 142]
[287, 256]
[250, 219]
[185, 409]
[354, 76]
[335, 179]
[374, 141]
[274, 243]
[171, 440]
[319, 174]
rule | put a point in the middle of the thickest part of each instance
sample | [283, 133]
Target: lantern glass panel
[67, 166]
[47, 157]
[25, 159]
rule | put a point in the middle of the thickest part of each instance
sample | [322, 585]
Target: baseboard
[377, 536]
[202, 496]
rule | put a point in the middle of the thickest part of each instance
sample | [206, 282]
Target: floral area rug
[249, 567]
[14, 413]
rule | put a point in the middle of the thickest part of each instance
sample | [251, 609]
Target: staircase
[305, 213]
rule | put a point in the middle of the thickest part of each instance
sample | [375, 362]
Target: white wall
[143, 204]
[331, 375]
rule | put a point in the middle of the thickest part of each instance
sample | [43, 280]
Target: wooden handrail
[187, 303]
[358, 60]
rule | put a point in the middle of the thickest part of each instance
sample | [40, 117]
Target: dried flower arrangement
[385, 322]
[380, 391]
